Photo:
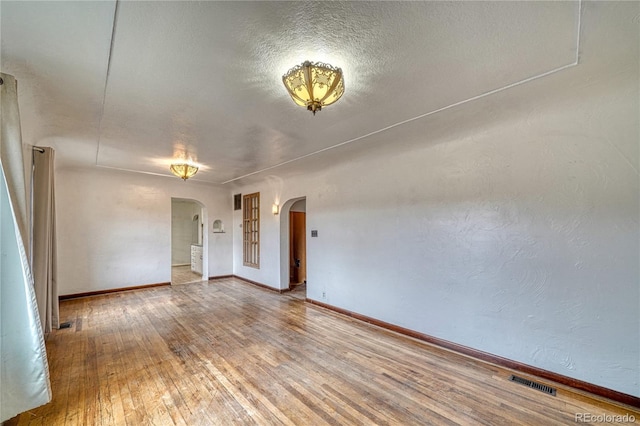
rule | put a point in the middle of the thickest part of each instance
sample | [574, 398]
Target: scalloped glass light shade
[183, 170]
[314, 85]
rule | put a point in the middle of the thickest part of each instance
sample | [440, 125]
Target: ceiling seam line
[494, 91]
[154, 174]
[579, 31]
[106, 78]
[553, 71]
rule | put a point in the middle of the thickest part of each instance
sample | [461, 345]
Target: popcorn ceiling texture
[207, 75]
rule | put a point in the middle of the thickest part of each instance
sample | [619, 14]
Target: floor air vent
[534, 385]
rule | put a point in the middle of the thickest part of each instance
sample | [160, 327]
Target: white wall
[114, 228]
[517, 235]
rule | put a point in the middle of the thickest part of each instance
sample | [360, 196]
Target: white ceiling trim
[106, 78]
[121, 169]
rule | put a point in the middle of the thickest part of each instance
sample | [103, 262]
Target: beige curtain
[11, 150]
[44, 238]
[24, 372]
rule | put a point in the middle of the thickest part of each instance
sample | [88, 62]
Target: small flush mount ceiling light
[183, 170]
[314, 85]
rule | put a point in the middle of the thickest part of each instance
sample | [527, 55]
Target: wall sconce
[275, 209]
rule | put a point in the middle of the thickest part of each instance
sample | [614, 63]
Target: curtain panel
[44, 238]
[24, 372]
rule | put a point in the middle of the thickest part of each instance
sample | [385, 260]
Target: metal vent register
[534, 385]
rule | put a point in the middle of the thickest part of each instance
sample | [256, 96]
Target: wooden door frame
[284, 241]
[297, 239]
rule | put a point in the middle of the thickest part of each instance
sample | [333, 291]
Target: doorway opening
[188, 241]
[294, 247]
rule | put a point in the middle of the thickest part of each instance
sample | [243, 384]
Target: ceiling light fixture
[183, 170]
[314, 85]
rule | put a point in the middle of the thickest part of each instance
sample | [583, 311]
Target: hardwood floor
[298, 291]
[226, 352]
[183, 275]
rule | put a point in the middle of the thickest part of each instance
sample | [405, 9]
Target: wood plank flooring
[226, 352]
[182, 275]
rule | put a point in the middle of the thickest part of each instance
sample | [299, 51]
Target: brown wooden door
[297, 247]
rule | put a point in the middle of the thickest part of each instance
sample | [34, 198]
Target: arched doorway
[189, 241]
[293, 247]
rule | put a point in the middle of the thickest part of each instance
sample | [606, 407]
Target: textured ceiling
[131, 85]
